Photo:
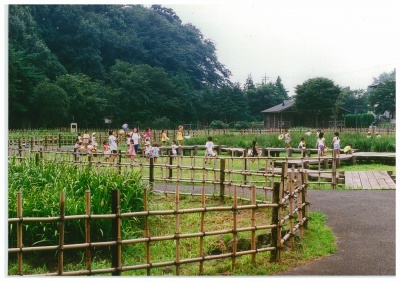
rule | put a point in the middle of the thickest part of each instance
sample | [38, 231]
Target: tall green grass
[385, 143]
[41, 186]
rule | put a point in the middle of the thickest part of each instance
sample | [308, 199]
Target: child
[302, 144]
[287, 139]
[90, 149]
[106, 151]
[94, 142]
[336, 143]
[173, 148]
[254, 151]
[147, 134]
[321, 144]
[147, 151]
[164, 137]
[112, 141]
[128, 138]
[179, 135]
[155, 151]
[348, 149]
[136, 139]
[209, 150]
[132, 152]
[86, 138]
[77, 148]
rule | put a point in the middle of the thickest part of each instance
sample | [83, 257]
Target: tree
[85, 96]
[22, 79]
[383, 98]
[385, 76]
[264, 96]
[315, 99]
[51, 104]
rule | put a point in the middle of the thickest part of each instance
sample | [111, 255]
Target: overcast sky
[297, 40]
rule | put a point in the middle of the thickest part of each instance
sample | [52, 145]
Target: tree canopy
[139, 65]
[383, 98]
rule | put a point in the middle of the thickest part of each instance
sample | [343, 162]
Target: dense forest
[81, 63]
[135, 65]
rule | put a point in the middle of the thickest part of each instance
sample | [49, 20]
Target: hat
[147, 143]
[94, 133]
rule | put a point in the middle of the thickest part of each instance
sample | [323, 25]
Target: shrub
[218, 124]
[242, 125]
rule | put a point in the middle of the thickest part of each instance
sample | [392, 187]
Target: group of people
[320, 143]
[87, 143]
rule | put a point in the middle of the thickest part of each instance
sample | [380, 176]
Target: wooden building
[284, 116]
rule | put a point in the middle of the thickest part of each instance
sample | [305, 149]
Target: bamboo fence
[288, 206]
[223, 172]
[55, 139]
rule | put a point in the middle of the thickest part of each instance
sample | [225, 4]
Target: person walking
[136, 139]
[321, 144]
[254, 151]
[155, 150]
[209, 150]
[179, 135]
[336, 144]
[164, 137]
[287, 138]
[112, 141]
[147, 134]
[132, 152]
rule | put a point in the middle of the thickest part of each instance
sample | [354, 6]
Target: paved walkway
[364, 223]
[368, 180]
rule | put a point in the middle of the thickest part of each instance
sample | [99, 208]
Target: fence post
[275, 220]
[88, 250]
[304, 196]
[170, 169]
[334, 163]
[151, 172]
[20, 149]
[59, 141]
[19, 232]
[222, 178]
[119, 161]
[116, 232]
[61, 234]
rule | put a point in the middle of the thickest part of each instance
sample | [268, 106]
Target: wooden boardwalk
[369, 180]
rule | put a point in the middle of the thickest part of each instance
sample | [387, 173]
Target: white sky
[349, 43]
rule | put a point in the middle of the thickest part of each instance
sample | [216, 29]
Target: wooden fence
[58, 139]
[227, 170]
[287, 203]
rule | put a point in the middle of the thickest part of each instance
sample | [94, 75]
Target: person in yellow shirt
[164, 137]
[348, 149]
[179, 135]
